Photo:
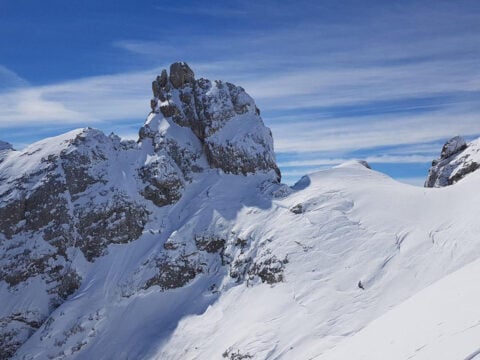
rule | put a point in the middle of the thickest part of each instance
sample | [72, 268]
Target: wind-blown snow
[439, 322]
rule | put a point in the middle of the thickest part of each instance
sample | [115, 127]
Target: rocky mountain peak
[453, 146]
[457, 159]
[5, 146]
[221, 116]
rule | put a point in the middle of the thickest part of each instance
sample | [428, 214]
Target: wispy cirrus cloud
[364, 132]
[380, 159]
[329, 86]
[233, 9]
[10, 80]
[90, 100]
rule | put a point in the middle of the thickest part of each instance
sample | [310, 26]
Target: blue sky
[387, 81]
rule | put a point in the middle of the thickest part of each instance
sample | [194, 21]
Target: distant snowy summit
[457, 160]
[5, 146]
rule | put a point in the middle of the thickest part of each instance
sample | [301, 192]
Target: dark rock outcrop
[180, 74]
[452, 147]
[457, 160]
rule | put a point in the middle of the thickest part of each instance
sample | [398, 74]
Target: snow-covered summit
[457, 159]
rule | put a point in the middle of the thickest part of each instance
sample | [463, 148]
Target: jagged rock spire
[181, 74]
[223, 117]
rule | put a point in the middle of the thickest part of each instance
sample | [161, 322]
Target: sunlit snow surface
[356, 225]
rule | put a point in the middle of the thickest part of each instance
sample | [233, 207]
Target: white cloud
[382, 159]
[206, 9]
[147, 47]
[355, 133]
[23, 107]
[9, 79]
[351, 86]
[93, 100]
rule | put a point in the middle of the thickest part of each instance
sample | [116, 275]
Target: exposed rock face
[452, 147]
[181, 74]
[63, 201]
[222, 116]
[457, 159]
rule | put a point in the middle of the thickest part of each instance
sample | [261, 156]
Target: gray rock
[206, 107]
[181, 74]
[173, 273]
[17, 328]
[164, 181]
[158, 86]
[365, 163]
[457, 160]
[452, 147]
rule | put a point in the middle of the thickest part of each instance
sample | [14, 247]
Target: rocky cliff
[222, 117]
[457, 160]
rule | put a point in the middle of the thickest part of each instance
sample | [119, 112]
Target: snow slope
[354, 224]
[357, 225]
[173, 251]
[440, 322]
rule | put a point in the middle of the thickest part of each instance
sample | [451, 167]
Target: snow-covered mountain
[185, 244]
